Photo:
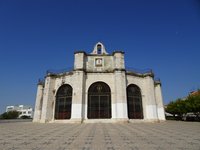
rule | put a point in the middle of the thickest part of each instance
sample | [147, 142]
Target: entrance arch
[63, 102]
[99, 101]
[134, 102]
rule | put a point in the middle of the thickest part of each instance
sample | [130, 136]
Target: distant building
[194, 93]
[22, 109]
[99, 88]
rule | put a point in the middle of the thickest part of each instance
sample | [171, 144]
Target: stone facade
[99, 70]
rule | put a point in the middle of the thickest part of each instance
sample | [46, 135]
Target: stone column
[48, 99]
[38, 103]
[159, 101]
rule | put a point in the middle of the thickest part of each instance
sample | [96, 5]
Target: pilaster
[38, 103]
[78, 99]
[120, 104]
[159, 101]
[48, 99]
[150, 100]
[79, 60]
[119, 60]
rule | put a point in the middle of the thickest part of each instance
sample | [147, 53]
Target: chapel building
[99, 89]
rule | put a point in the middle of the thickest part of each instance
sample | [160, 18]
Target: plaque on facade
[98, 62]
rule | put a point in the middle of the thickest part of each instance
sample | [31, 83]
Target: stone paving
[167, 135]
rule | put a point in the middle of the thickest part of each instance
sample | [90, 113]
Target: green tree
[171, 108]
[193, 103]
[176, 107]
[10, 115]
[180, 107]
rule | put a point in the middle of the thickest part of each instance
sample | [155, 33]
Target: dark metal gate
[99, 101]
[134, 102]
[63, 102]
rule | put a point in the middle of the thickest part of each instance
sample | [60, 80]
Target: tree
[10, 115]
[176, 107]
[193, 103]
[171, 108]
[180, 107]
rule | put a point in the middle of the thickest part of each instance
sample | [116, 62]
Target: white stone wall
[77, 82]
[107, 78]
[141, 84]
[149, 100]
[111, 71]
[107, 63]
[117, 81]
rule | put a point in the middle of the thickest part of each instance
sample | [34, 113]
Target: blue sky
[37, 35]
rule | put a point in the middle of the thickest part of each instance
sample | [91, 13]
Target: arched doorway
[63, 102]
[99, 101]
[134, 102]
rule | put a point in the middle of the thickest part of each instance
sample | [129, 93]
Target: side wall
[77, 81]
[118, 82]
[146, 84]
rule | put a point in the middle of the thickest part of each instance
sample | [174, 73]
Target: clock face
[98, 62]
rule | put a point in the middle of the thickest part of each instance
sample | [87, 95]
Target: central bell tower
[99, 49]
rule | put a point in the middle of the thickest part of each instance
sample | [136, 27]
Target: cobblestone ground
[168, 135]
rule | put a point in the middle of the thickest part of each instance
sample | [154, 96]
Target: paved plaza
[169, 135]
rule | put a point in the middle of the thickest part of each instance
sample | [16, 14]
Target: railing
[134, 70]
[157, 79]
[53, 71]
[140, 71]
[41, 81]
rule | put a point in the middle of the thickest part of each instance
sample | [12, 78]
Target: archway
[134, 102]
[99, 101]
[63, 102]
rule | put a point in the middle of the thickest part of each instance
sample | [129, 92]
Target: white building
[99, 89]
[22, 109]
